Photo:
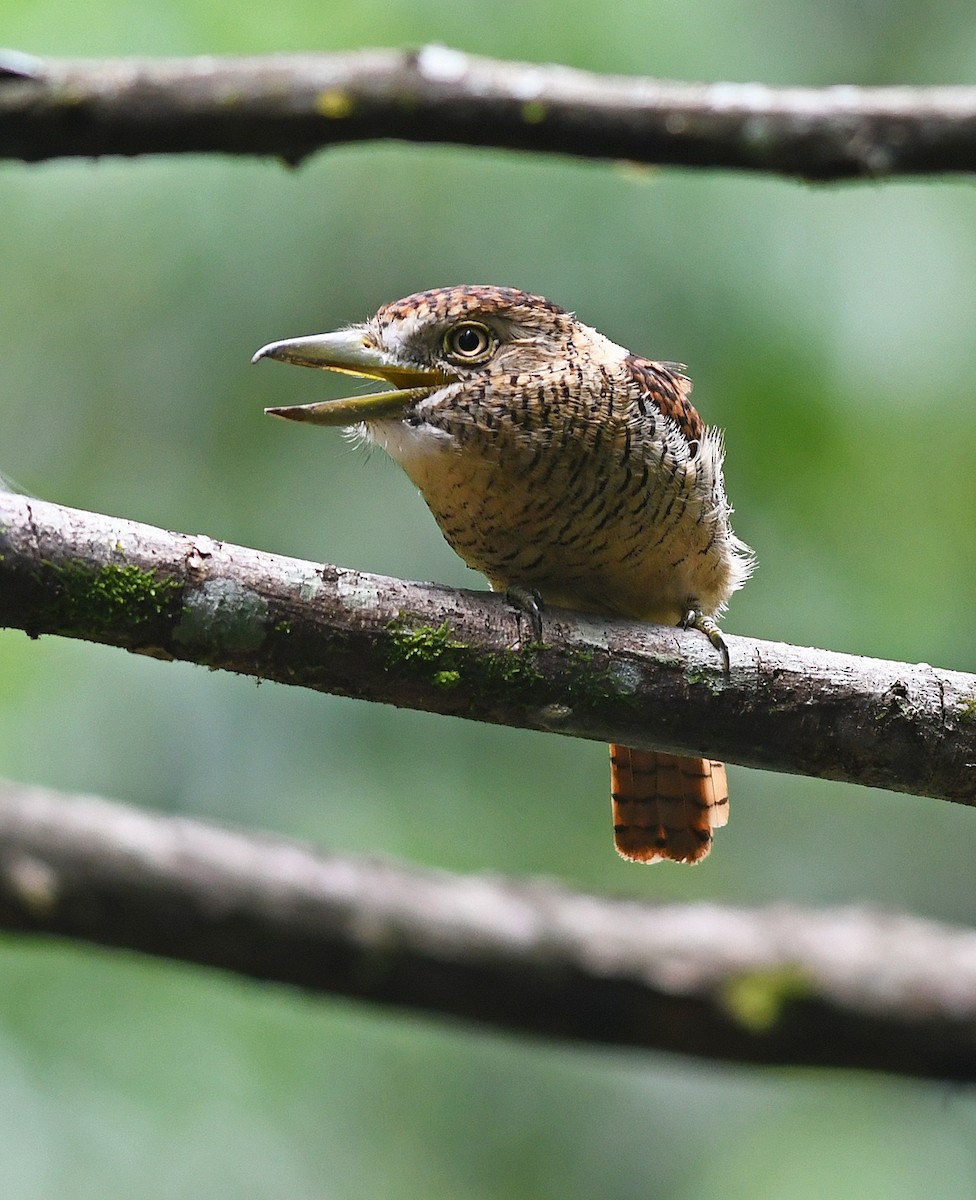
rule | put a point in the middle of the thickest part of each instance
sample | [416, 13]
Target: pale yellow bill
[349, 353]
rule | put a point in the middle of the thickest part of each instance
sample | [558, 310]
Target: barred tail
[664, 805]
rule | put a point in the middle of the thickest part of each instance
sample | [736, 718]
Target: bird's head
[442, 341]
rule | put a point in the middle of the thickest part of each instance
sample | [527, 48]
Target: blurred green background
[829, 330]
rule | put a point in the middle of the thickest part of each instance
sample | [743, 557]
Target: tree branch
[906, 727]
[846, 988]
[293, 105]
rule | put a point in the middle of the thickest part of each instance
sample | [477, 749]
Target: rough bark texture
[910, 728]
[293, 105]
[846, 988]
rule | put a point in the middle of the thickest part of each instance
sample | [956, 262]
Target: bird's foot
[695, 619]
[528, 602]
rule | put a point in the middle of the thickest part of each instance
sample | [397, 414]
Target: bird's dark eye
[470, 342]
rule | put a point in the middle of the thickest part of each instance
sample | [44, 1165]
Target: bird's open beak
[346, 351]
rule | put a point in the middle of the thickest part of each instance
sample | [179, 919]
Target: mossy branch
[292, 105]
[846, 988]
[909, 728]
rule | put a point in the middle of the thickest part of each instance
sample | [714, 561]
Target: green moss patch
[119, 597]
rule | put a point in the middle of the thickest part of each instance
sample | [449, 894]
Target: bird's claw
[695, 619]
[528, 602]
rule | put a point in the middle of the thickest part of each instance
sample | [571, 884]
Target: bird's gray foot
[529, 603]
[695, 619]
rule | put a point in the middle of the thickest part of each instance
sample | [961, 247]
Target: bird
[571, 473]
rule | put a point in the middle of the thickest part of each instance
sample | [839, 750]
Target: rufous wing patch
[669, 391]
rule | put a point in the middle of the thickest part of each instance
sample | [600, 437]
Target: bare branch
[846, 988]
[906, 727]
[292, 105]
